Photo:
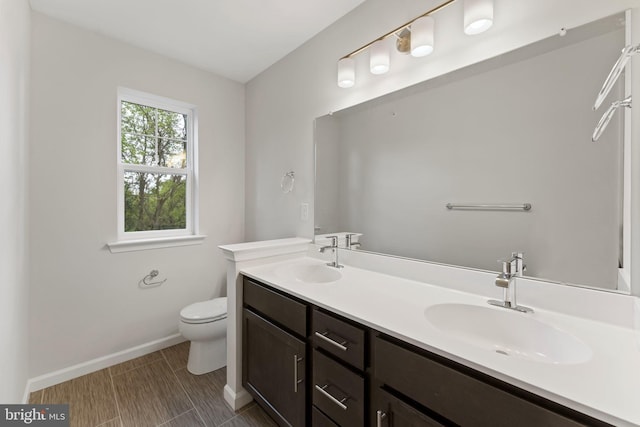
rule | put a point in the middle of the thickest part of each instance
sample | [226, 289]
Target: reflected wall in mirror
[513, 129]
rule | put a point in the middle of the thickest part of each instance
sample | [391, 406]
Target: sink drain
[502, 352]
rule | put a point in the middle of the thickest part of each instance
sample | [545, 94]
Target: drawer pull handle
[296, 381]
[380, 415]
[331, 398]
[340, 345]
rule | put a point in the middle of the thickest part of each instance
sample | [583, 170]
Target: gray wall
[85, 301]
[519, 133]
[14, 286]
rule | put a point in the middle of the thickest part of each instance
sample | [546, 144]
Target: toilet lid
[205, 311]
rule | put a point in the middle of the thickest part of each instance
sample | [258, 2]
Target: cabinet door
[318, 419]
[273, 369]
[389, 411]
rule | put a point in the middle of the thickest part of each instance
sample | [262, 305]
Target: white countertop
[606, 386]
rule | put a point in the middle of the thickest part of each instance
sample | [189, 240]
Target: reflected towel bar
[522, 206]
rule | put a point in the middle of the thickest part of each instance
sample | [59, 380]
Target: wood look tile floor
[152, 390]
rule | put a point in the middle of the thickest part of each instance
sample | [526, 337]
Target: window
[156, 167]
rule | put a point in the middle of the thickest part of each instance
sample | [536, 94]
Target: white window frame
[151, 239]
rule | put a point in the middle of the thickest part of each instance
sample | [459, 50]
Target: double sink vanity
[394, 342]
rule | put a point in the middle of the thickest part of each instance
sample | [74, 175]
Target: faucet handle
[503, 281]
[506, 266]
[518, 258]
[349, 239]
[334, 240]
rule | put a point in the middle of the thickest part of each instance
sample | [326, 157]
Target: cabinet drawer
[318, 419]
[339, 338]
[277, 307]
[461, 398]
[389, 411]
[337, 391]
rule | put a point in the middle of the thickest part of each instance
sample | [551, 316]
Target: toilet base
[207, 356]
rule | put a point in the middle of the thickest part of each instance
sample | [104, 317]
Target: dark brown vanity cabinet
[308, 366]
[274, 365]
[339, 378]
[415, 387]
[389, 410]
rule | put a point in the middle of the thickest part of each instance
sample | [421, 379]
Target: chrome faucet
[511, 269]
[349, 243]
[334, 247]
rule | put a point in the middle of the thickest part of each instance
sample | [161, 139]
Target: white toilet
[205, 325]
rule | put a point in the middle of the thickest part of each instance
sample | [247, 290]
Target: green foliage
[153, 137]
[162, 205]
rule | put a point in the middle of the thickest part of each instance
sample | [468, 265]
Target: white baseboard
[66, 374]
[27, 392]
[236, 399]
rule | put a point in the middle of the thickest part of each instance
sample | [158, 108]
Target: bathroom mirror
[512, 130]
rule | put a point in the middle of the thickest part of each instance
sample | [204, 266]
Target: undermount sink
[508, 333]
[310, 273]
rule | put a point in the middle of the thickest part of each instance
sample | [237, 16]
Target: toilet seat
[205, 311]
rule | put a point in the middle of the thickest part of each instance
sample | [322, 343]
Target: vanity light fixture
[615, 73]
[606, 117]
[610, 81]
[346, 72]
[379, 57]
[422, 30]
[416, 36]
[478, 16]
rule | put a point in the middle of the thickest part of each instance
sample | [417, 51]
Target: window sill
[157, 243]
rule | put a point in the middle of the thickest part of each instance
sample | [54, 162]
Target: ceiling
[237, 39]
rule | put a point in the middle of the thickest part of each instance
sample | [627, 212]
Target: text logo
[34, 415]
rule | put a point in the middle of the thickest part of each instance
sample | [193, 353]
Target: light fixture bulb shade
[346, 72]
[379, 57]
[422, 30]
[478, 16]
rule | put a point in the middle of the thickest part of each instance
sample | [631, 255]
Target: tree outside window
[156, 166]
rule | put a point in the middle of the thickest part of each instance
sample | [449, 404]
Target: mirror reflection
[511, 131]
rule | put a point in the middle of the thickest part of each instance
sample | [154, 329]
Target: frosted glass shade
[346, 72]
[478, 16]
[422, 30]
[379, 57]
